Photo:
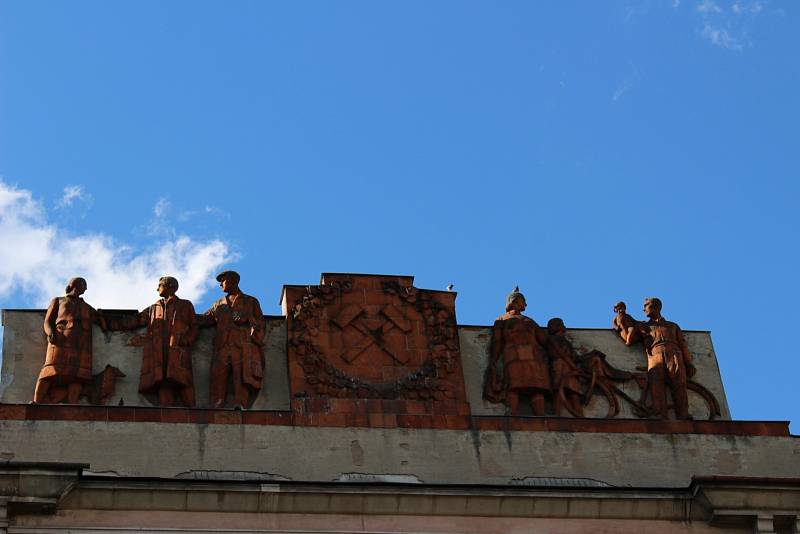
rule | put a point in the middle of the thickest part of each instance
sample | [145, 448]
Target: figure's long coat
[70, 320]
[239, 339]
[518, 359]
[167, 349]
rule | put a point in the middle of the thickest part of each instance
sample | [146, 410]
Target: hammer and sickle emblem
[352, 315]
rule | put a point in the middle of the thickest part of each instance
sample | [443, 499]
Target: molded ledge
[134, 414]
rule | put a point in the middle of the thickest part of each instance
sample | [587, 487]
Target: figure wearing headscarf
[68, 361]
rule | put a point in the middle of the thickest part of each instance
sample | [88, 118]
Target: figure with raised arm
[624, 324]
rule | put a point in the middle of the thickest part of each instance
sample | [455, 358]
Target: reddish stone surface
[238, 346]
[299, 416]
[166, 371]
[66, 374]
[371, 344]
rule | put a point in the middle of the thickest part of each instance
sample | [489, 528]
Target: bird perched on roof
[450, 287]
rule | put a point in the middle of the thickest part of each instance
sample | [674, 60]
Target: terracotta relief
[599, 376]
[373, 337]
[624, 324]
[238, 344]
[67, 371]
[103, 385]
[527, 363]
[368, 337]
[518, 362]
[166, 346]
[567, 389]
[669, 362]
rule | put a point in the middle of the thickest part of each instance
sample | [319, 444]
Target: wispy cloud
[160, 224]
[708, 6]
[38, 257]
[635, 10]
[210, 211]
[625, 85]
[752, 8]
[726, 24]
[721, 37]
[623, 88]
[72, 194]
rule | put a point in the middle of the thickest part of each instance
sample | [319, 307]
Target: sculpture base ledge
[379, 419]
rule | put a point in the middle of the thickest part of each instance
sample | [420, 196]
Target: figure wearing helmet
[519, 357]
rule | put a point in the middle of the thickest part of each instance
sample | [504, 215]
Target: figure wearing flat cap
[68, 362]
[518, 360]
[167, 348]
[238, 343]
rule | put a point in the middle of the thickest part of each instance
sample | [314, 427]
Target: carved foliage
[329, 368]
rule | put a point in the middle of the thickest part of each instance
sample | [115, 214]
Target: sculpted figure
[68, 361]
[669, 361]
[167, 348]
[566, 387]
[624, 324]
[238, 343]
[519, 342]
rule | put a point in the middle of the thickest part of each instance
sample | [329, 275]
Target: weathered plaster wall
[252, 452]
[24, 347]
[169, 522]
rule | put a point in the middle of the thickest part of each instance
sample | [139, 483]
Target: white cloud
[721, 37]
[71, 194]
[38, 258]
[209, 211]
[708, 6]
[727, 25]
[160, 224]
[161, 208]
[623, 88]
[751, 8]
[626, 85]
[222, 214]
[635, 11]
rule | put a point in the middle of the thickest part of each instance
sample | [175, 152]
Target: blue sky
[587, 151]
